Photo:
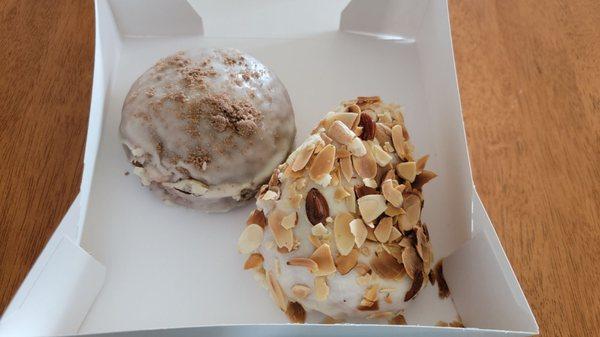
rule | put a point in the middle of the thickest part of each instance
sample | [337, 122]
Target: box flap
[60, 288]
[484, 287]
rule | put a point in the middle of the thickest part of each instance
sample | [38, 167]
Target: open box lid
[476, 268]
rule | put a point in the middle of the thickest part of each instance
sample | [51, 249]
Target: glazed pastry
[338, 227]
[206, 128]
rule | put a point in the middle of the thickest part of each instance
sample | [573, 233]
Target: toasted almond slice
[362, 269]
[342, 152]
[316, 241]
[391, 194]
[387, 267]
[405, 242]
[344, 239]
[295, 312]
[270, 195]
[319, 230]
[369, 182]
[288, 172]
[346, 168]
[388, 147]
[398, 140]
[340, 193]
[398, 320]
[356, 147]
[371, 293]
[359, 230]
[325, 138]
[371, 206]
[381, 156]
[351, 200]
[339, 132]
[345, 264]
[390, 175]
[289, 221]
[384, 229]
[407, 170]
[302, 157]
[403, 223]
[370, 234]
[257, 217]
[322, 163]
[394, 235]
[421, 163]
[412, 205]
[253, 261]
[321, 289]
[348, 118]
[353, 108]
[394, 250]
[250, 239]
[303, 262]
[412, 262]
[300, 291]
[423, 178]
[276, 292]
[283, 237]
[393, 211]
[415, 287]
[380, 314]
[322, 256]
[365, 166]
[295, 200]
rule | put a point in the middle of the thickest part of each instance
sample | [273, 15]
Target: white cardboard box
[123, 263]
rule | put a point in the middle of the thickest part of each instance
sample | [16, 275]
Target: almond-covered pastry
[341, 219]
[206, 128]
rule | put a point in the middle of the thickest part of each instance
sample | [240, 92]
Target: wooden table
[529, 76]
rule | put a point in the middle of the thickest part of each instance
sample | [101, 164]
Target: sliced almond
[348, 118]
[391, 194]
[302, 157]
[289, 221]
[322, 256]
[325, 138]
[369, 182]
[371, 293]
[403, 223]
[423, 178]
[322, 163]
[316, 241]
[356, 147]
[276, 292]
[412, 262]
[317, 208]
[303, 262]
[381, 156]
[362, 190]
[253, 261]
[344, 239]
[300, 291]
[421, 163]
[319, 230]
[394, 250]
[394, 235]
[345, 264]
[353, 108]
[250, 239]
[295, 200]
[370, 233]
[283, 237]
[412, 205]
[384, 229]
[288, 172]
[386, 266]
[380, 314]
[362, 269]
[257, 217]
[398, 140]
[359, 230]
[351, 200]
[371, 206]
[415, 287]
[346, 168]
[340, 193]
[365, 166]
[394, 211]
[407, 170]
[342, 152]
[270, 195]
[398, 320]
[339, 132]
[331, 320]
[321, 289]
[390, 175]
[295, 312]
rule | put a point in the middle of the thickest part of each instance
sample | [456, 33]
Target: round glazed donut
[205, 128]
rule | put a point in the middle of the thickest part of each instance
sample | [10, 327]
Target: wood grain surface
[529, 75]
